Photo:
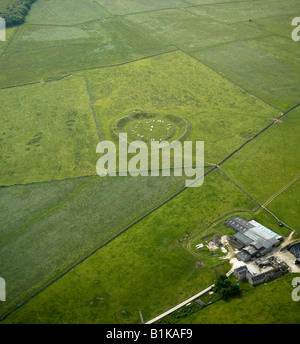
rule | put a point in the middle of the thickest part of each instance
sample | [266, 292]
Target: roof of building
[243, 256]
[268, 232]
[257, 236]
[254, 234]
[256, 278]
[251, 250]
[257, 245]
[241, 269]
[243, 238]
[238, 224]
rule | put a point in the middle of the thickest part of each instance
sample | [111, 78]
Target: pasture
[271, 158]
[129, 6]
[275, 306]
[220, 113]
[148, 259]
[57, 50]
[4, 4]
[64, 221]
[69, 76]
[67, 12]
[47, 130]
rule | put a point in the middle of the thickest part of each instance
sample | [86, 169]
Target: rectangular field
[132, 6]
[273, 159]
[51, 226]
[51, 51]
[220, 113]
[189, 31]
[146, 260]
[67, 12]
[48, 132]
[242, 11]
[272, 72]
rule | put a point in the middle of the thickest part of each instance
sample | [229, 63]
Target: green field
[132, 6]
[64, 221]
[200, 70]
[221, 114]
[275, 306]
[67, 12]
[272, 158]
[147, 259]
[51, 127]
[4, 4]
[187, 31]
[57, 50]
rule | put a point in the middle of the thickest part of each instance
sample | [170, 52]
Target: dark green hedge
[15, 14]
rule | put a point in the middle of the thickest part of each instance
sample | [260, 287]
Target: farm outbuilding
[256, 240]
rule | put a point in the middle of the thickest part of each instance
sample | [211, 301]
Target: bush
[226, 288]
[15, 14]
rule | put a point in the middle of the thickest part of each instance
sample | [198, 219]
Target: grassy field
[267, 55]
[267, 304]
[67, 12]
[129, 6]
[272, 158]
[142, 55]
[145, 260]
[9, 35]
[242, 11]
[220, 113]
[187, 31]
[32, 117]
[5, 3]
[57, 50]
[286, 205]
[64, 221]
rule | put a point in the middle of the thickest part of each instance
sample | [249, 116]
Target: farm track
[153, 210]
[213, 168]
[208, 227]
[98, 248]
[256, 202]
[279, 192]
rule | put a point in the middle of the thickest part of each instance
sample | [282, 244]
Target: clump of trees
[15, 13]
[226, 288]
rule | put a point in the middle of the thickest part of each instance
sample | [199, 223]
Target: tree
[226, 288]
[15, 13]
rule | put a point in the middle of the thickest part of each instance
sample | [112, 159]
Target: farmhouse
[278, 268]
[252, 238]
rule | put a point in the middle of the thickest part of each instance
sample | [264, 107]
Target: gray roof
[265, 231]
[256, 278]
[239, 224]
[241, 268]
[259, 236]
[257, 245]
[251, 250]
[243, 256]
[253, 233]
[243, 238]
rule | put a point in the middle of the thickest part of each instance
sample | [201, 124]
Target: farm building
[278, 269]
[241, 272]
[295, 250]
[252, 238]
